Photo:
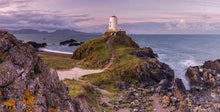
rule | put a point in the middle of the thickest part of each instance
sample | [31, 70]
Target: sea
[178, 51]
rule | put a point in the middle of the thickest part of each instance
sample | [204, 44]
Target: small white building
[113, 24]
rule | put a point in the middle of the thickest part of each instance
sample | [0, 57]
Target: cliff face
[27, 85]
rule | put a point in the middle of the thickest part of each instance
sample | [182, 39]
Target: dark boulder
[68, 42]
[71, 42]
[179, 89]
[74, 44]
[37, 45]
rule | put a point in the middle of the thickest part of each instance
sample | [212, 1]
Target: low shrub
[37, 69]
[1, 60]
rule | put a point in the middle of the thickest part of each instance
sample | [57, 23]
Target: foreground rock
[27, 85]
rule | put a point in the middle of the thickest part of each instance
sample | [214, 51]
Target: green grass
[100, 55]
[58, 63]
[1, 60]
[82, 88]
[122, 69]
[93, 54]
[37, 69]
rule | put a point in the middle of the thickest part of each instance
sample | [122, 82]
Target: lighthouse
[113, 24]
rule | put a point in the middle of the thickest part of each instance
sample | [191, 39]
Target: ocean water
[53, 40]
[178, 51]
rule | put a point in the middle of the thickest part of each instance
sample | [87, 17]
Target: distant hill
[66, 31]
[27, 31]
[32, 31]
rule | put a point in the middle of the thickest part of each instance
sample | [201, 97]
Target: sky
[134, 16]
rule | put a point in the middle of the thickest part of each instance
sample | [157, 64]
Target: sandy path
[76, 72]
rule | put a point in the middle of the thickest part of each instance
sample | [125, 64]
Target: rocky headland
[135, 72]
[142, 82]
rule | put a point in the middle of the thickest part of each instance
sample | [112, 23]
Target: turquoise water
[178, 51]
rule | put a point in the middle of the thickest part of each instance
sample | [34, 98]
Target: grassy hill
[130, 63]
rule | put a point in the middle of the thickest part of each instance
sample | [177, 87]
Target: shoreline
[54, 54]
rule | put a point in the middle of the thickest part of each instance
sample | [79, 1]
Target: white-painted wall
[113, 23]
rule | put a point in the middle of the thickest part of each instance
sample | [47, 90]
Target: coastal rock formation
[37, 45]
[213, 65]
[27, 85]
[67, 42]
[179, 89]
[204, 94]
[205, 75]
[144, 52]
[71, 42]
[130, 62]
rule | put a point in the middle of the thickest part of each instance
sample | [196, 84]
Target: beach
[53, 54]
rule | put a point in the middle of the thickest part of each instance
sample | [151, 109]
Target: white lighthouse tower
[113, 24]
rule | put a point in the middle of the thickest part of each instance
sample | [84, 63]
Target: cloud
[180, 27]
[42, 20]
[170, 16]
[15, 3]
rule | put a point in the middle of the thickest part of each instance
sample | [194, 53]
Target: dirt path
[156, 106]
[76, 72]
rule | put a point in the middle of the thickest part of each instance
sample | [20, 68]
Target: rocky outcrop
[71, 42]
[37, 45]
[203, 76]
[213, 65]
[144, 52]
[179, 89]
[67, 42]
[27, 85]
[193, 76]
[205, 83]
[151, 70]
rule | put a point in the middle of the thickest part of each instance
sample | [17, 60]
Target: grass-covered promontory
[130, 63]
